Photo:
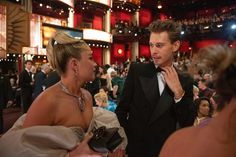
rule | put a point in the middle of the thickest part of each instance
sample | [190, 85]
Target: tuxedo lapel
[27, 74]
[165, 102]
[149, 86]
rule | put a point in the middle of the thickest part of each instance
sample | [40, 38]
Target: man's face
[201, 85]
[28, 65]
[162, 49]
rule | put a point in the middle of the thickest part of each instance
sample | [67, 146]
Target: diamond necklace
[80, 99]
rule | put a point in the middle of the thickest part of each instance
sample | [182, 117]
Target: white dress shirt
[161, 82]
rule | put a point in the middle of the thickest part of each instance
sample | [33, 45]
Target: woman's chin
[157, 63]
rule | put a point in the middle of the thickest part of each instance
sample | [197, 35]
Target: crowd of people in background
[109, 81]
[152, 98]
[202, 23]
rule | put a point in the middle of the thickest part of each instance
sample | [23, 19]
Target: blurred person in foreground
[218, 138]
[156, 97]
[59, 118]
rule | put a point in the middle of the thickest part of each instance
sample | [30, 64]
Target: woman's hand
[117, 153]
[83, 150]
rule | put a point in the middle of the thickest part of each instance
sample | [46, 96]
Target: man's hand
[172, 80]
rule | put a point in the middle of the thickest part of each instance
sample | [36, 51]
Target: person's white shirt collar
[27, 70]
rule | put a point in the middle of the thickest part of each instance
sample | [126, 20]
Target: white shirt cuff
[178, 100]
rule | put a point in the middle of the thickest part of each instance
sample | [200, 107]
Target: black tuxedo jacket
[24, 82]
[147, 117]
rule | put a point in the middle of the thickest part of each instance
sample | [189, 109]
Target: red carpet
[10, 115]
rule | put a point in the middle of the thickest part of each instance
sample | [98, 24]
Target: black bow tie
[158, 70]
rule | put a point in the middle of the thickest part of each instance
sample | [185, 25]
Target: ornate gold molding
[17, 29]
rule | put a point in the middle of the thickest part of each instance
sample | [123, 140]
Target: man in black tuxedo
[156, 97]
[26, 84]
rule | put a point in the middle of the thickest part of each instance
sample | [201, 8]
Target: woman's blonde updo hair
[61, 47]
[222, 61]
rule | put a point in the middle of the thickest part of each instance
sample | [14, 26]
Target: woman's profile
[64, 108]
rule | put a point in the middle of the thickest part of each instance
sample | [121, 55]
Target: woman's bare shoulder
[49, 96]
[43, 108]
[179, 141]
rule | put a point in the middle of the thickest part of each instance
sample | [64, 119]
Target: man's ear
[176, 46]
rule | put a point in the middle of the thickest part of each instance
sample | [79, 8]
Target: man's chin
[157, 63]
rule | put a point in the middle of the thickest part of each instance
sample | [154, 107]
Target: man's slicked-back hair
[171, 27]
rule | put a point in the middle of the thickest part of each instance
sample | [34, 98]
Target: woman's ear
[74, 63]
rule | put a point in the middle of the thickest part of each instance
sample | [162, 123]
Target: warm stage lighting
[159, 6]
[120, 51]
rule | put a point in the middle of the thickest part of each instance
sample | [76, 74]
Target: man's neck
[163, 66]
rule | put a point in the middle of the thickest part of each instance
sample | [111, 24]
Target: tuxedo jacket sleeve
[184, 109]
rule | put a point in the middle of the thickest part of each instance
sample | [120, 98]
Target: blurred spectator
[204, 110]
[102, 100]
[204, 89]
[12, 89]
[53, 78]
[117, 85]
[195, 92]
[39, 80]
